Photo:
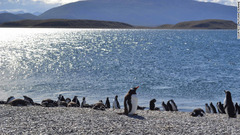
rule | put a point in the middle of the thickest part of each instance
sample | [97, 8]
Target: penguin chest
[115, 104]
[134, 102]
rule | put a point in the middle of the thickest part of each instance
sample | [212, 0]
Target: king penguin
[229, 106]
[131, 101]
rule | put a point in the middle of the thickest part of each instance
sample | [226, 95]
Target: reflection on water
[190, 66]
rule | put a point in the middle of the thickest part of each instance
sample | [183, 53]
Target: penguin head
[228, 94]
[154, 100]
[133, 90]
[75, 98]
[26, 98]
[83, 98]
[61, 97]
[116, 96]
[10, 99]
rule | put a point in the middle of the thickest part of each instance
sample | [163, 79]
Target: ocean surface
[193, 67]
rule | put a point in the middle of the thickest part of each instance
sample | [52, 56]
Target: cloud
[57, 1]
[225, 2]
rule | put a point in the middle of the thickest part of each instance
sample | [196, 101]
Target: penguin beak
[225, 91]
[136, 87]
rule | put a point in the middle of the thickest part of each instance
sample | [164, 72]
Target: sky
[32, 6]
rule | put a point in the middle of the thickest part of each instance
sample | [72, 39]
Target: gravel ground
[43, 120]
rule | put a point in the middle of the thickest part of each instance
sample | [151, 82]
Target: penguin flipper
[130, 105]
[125, 106]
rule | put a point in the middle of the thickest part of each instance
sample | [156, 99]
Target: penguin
[62, 104]
[220, 108]
[99, 106]
[68, 100]
[207, 108]
[169, 106]
[107, 104]
[61, 97]
[228, 105]
[72, 104]
[152, 105]
[3, 102]
[165, 107]
[19, 102]
[213, 109]
[75, 99]
[131, 101]
[10, 99]
[49, 103]
[173, 104]
[62, 101]
[116, 104]
[26, 98]
[84, 104]
[197, 112]
[237, 108]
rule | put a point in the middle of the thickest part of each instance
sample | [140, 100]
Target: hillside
[142, 12]
[62, 23]
[202, 24]
[6, 17]
[9, 17]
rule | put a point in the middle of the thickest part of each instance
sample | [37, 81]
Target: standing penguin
[75, 99]
[83, 102]
[165, 107]
[107, 104]
[237, 108]
[220, 108]
[131, 101]
[229, 106]
[213, 109]
[207, 108]
[169, 106]
[116, 104]
[174, 106]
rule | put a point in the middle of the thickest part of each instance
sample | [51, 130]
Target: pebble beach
[70, 120]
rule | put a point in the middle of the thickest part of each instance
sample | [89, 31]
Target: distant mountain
[62, 23]
[9, 17]
[142, 12]
[6, 17]
[37, 13]
[202, 24]
[28, 16]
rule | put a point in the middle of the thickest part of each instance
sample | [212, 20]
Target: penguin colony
[227, 107]
[130, 104]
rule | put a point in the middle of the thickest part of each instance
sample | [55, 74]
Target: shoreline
[62, 120]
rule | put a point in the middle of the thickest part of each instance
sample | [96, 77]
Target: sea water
[192, 67]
